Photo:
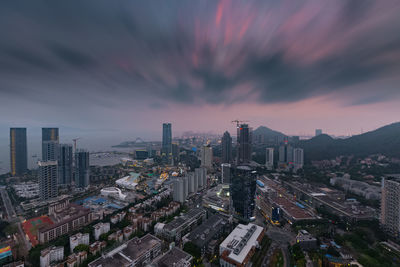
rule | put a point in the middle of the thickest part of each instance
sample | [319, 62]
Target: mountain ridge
[384, 140]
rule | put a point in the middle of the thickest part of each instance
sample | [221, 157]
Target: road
[11, 215]
[12, 218]
[282, 237]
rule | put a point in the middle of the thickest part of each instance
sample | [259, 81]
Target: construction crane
[74, 140]
[238, 122]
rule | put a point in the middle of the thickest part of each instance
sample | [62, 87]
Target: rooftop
[127, 252]
[292, 209]
[241, 240]
[69, 213]
[174, 257]
[177, 222]
[204, 233]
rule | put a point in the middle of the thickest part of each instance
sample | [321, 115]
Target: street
[12, 218]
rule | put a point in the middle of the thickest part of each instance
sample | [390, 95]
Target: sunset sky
[130, 65]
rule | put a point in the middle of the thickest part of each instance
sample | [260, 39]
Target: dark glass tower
[50, 141]
[18, 151]
[242, 190]
[226, 144]
[167, 142]
[175, 154]
[65, 164]
[243, 144]
[82, 170]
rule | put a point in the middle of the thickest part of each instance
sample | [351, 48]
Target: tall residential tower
[48, 179]
[269, 158]
[206, 156]
[390, 207]
[50, 142]
[18, 151]
[82, 170]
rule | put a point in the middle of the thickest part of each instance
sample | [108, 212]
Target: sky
[124, 67]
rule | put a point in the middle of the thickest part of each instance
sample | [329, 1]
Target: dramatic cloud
[92, 58]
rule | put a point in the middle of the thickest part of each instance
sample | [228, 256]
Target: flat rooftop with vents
[240, 245]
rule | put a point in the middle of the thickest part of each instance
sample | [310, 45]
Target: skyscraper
[242, 191]
[243, 144]
[390, 208]
[298, 158]
[206, 156]
[47, 179]
[175, 153]
[166, 150]
[226, 173]
[50, 142]
[180, 188]
[201, 177]
[192, 186]
[286, 153]
[226, 143]
[82, 168]
[18, 151]
[65, 161]
[318, 132]
[269, 158]
[50, 134]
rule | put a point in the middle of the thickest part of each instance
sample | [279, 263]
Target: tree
[103, 237]
[11, 229]
[81, 247]
[192, 249]
[3, 225]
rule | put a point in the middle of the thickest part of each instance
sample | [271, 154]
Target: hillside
[385, 140]
[264, 134]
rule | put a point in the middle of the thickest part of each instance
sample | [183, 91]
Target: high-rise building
[390, 207]
[206, 156]
[195, 182]
[166, 149]
[180, 188]
[82, 168]
[226, 143]
[50, 150]
[48, 179]
[269, 158]
[175, 153]
[243, 144]
[192, 186]
[18, 151]
[201, 177]
[298, 158]
[50, 141]
[226, 173]
[286, 154]
[242, 190]
[65, 161]
[318, 132]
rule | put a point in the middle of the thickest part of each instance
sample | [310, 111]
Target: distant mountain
[264, 134]
[385, 140]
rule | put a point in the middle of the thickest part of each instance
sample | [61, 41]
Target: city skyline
[200, 133]
[273, 64]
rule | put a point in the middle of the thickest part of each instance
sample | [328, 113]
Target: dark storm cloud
[200, 51]
[71, 56]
